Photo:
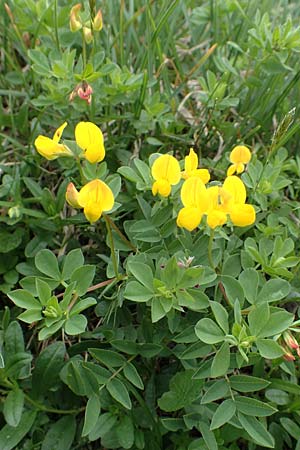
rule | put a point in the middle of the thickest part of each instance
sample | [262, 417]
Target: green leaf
[183, 391]
[13, 407]
[142, 273]
[221, 315]
[278, 322]
[133, 376]
[208, 436]
[269, 348]
[92, 412]
[291, 427]
[125, 432]
[60, 435]
[107, 357]
[253, 407]
[11, 436]
[273, 290]
[73, 260]
[217, 390]
[249, 280]
[43, 290]
[159, 309]
[82, 305]
[221, 361]
[136, 292]
[103, 425]
[75, 325]
[208, 331]
[14, 341]
[256, 431]
[129, 174]
[48, 364]
[24, 299]
[84, 277]
[258, 318]
[233, 289]
[286, 386]
[46, 263]
[119, 392]
[246, 383]
[278, 397]
[46, 332]
[10, 241]
[223, 414]
[31, 315]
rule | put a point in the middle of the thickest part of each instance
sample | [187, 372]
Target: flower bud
[290, 340]
[14, 212]
[98, 22]
[75, 20]
[88, 35]
[72, 196]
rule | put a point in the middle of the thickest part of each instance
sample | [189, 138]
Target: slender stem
[56, 24]
[94, 287]
[112, 246]
[127, 242]
[41, 407]
[82, 176]
[83, 52]
[210, 243]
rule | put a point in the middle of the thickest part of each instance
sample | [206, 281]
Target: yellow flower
[90, 139]
[75, 20]
[195, 201]
[229, 200]
[98, 21]
[240, 213]
[239, 156]
[166, 173]
[50, 148]
[191, 168]
[95, 198]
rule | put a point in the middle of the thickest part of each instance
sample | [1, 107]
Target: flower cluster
[77, 23]
[217, 203]
[95, 197]
[288, 345]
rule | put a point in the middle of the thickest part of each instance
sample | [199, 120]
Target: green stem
[83, 52]
[56, 24]
[41, 407]
[82, 176]
[210, 242]
[119, 232]
[112, 246]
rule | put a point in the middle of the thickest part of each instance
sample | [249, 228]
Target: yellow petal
[236, 188]
[240, 167]
[242, 215]
[191, 161]
[161, 187]
[203, 174]
[72, 196]
[240, 154]
[89, 138]
[213, 193]
[50, 149]
[92, 211]
[166, 167]
[194, 194]
[231, 170]
[59, 132]
[216, 218]
[97, 193]
[189, 218]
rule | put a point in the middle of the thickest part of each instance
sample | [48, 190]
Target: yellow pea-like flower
[166, 173]
[89, 138]
[195, 201]
[51, 148]
[95, 198]
[191, 168]
[239, 156]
